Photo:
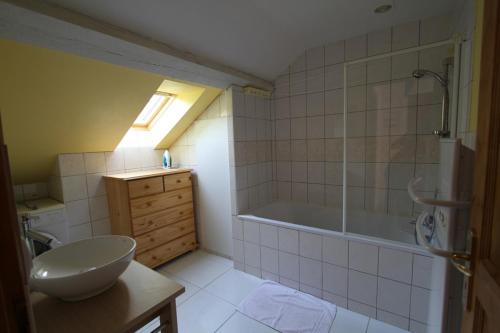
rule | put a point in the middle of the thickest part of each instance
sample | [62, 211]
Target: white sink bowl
[82, 269]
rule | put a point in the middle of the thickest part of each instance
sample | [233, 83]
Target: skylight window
[156, 104]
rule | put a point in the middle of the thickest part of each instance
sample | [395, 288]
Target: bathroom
[339, 165]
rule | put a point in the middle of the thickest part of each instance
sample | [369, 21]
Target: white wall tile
[392, 319]
[282, 85]
[310, 290]
[71, 164]
[334, 126]
[94, 162]
[288, 240]
[251, 232]
[299, 64]
[289, 283]
[311, 272]
[79, 232]
[315, 57]
[270, 276]
[378, 70]
[378, 122]
[356, 99]
[356, 74]
[269, 236]
[74, 188]
[403, 65]
[253, 271]
[298, 106]
[315, 104]
[98, 208]
[361, 308]
[403, 120]
[298, 128]
[334, 77]
[335, 279]
[335, 250]
[394, 297]
[288, 266]
[378, 96]
[400, 174]
[133, 158]
[422, 268]
[316, 194]
[297, 83]
[237, 228]
[78, 212]
[101, 227]
[238, 251]
[404, 92]
[316, 127]
[269, 260]
[310, 245]
[95, 185]
[299, 192]
[363, 257]
[419, 304]
[252, 254]
[362, 287]
[335, 299]
[355, 47]
[315, 80]
[334, 53]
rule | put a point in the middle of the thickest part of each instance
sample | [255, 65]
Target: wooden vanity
[155, 208]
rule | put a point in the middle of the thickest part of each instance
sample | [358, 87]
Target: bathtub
[375, 268]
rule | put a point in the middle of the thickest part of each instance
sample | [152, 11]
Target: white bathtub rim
[350, 236]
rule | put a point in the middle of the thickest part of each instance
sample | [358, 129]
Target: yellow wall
[52, 102]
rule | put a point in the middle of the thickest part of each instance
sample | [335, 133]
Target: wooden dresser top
[146, 174]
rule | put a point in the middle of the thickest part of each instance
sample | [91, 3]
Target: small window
[156, 104]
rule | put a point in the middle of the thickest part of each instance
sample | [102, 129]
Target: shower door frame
[456, 41]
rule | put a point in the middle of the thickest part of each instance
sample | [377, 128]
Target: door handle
[458, 259]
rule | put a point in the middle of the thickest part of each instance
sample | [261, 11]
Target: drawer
[143, 187]
[176, 181]
[164, 235]
[166, 252]
[154, 221]
[158, 202]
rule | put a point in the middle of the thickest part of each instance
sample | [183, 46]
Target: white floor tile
[203, 313]
[243, 324]
[199, 268]
[349, 322]
[191, 289]
[233, 286]
[375, 326]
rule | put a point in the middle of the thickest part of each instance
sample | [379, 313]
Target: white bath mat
[288, 310]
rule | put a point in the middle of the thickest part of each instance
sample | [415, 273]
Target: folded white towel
[288, 310]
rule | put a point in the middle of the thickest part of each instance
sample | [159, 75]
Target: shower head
[419, 73]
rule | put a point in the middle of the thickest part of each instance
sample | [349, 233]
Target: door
[483, 303]
[15, 308]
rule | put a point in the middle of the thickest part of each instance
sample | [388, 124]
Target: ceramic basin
[82, 269]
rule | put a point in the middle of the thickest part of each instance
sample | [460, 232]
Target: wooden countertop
[135, 299]
[146, 173]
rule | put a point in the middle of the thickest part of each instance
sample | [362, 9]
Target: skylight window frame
[157, 112]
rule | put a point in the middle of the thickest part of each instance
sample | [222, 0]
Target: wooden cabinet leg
[168, 316]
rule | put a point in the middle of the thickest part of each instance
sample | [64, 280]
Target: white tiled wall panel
[383, 282]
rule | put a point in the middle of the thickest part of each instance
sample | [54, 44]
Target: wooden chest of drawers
[156, 209]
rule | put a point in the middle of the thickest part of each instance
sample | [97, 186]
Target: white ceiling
[260, 37]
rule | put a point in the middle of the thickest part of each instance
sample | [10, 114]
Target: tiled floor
[214, 289]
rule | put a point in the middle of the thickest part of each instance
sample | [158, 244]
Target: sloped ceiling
[52, 102]
[260, 37]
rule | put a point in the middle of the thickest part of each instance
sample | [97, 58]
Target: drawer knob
[151, 239]
[154, 257]
[178, 180]
[182, 228]
[180, 213]
[146, 186]
[179, 197]
[150, 222]
[148, 204]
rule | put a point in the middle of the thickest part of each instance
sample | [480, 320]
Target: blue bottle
[167, 160]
